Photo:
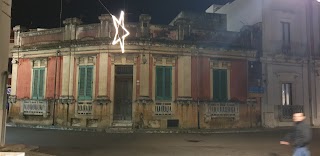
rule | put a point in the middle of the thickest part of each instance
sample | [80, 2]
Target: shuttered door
[35, 84]
[41, 84]
[85, 84]
[163, 83]
[220, 85]
[168, 83]
[159, 83]
[82, 83]
[89, 82]
[223, 85]
[38, 84]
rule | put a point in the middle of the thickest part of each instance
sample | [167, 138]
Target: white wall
[240, 13]
[275, 12]
[5, 24]
[276, 73]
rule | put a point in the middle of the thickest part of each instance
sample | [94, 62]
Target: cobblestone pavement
[71, 143]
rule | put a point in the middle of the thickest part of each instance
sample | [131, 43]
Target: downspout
[55, 72]
[55, 89]
[310, 52]
[69, 84]
[4, 116]
[198, 94]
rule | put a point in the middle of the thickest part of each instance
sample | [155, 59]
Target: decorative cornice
[287, 76]
[67, 99]
[102, 100]
[144, 100]
[12, 99]
[184, 100]
[163, 59]
[42, 32]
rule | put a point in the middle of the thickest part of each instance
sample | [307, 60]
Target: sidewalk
[151, 131]
[28, 150]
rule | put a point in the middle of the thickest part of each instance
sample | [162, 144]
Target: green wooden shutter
[216, 87]
[41, 84]
[223, 85]
[82, 83]
[168, 83]
[35, 84]
[89, 82]
[159, 83]
[163, 83]
[220, 85]
[85, 84]
[38, 83]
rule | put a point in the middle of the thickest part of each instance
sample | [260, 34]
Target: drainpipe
[55, 89]
[310, 52]
[4, 77]
[198, 98]
[70, 65]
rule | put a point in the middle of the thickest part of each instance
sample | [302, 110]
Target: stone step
[122, 124]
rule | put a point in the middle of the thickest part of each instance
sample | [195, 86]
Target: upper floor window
[285, 33]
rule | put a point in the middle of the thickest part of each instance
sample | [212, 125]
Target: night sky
[46, 13]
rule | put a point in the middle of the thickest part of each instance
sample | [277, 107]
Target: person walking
[300, 136]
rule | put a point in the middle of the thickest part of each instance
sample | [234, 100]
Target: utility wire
[60, 13]
[105, 7]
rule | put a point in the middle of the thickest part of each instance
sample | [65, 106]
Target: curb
[149, 131]
[52, 127]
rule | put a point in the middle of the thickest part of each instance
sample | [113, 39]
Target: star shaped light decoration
[117, 24]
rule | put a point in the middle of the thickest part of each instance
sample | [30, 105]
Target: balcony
[35, 107]
[163, 109]
[223, 110]
[285, 112]
[84, 108]
[296, 49]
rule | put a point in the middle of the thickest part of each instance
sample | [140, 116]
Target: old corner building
[185, 75]
[244, 64]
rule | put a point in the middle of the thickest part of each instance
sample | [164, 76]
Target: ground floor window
[286, 94]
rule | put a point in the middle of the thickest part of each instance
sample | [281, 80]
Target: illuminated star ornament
[117, 24]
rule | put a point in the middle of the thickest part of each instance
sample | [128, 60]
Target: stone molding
[184, 100]
[144, 100]
[102, 100]
[67, 99]
[12, 99]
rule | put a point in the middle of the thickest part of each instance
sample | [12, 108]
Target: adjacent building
[5, 22]
[192, 73]
[288, 54]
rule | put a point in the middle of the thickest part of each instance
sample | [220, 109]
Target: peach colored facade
[163, 80]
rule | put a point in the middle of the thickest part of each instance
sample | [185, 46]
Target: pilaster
[184, 79]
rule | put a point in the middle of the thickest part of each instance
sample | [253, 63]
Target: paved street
[70, 143]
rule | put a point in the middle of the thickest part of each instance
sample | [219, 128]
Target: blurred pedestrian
[299, 137]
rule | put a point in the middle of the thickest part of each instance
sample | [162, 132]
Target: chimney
[144, 20]
[105, 20]
[70, 28]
